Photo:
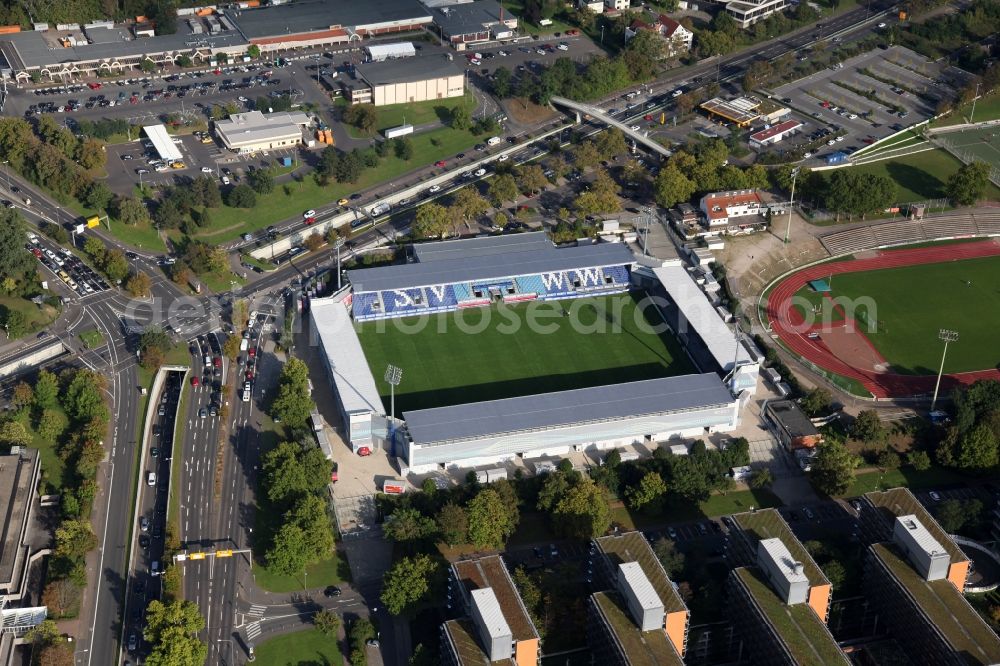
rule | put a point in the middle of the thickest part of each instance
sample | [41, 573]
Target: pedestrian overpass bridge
[602, 116]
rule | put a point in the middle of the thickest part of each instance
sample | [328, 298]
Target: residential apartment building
[878, 516]
[616, 5]
[677, 39]
[495, 626]
[640, 618]
[724, 208]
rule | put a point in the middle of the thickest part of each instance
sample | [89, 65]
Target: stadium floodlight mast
[945, 336]
[339, 244]
[791, 205]
[393, 375]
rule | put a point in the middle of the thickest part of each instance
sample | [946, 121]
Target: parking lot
[869, 97]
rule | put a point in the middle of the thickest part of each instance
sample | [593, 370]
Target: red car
[249, 376]
[364, 451]
[573, 32]
[439, 163]
[35, 251]
[217, 362]
[310, 220]
[94, 86]
[194, 381]
[252, 352]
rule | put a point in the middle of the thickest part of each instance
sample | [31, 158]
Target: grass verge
[92, 338]
[36, 317]
[308, 647]
[867, 481]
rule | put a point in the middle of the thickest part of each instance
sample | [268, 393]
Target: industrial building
[463, 25]
[326, 22]
[772, 135]
[906, 581]
[494, 625]
[779, 597]
[879, 516]
[791, 426]
[254, 131]
[639, 618]
[406, 80]
[20, 471]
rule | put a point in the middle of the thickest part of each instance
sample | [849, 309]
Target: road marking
[253, 631]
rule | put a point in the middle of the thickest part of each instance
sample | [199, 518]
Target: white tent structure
[162, 142]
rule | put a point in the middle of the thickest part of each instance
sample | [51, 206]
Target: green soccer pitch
[481, 354]
[914, 302]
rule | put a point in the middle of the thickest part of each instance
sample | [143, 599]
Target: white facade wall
[419, 91]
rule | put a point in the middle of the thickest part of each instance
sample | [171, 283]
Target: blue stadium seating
[366, 305]
[404, 301]
[441, 297]
[618, 275]
[557, 285]
[462, 292]
[530, 284]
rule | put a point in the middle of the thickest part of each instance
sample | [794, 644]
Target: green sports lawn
[914, 302]
[493, 361]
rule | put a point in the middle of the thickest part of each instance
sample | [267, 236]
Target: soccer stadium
[509, 346]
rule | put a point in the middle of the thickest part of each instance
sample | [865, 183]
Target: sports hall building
[451, 275]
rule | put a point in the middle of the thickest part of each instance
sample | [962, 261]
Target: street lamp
[339, 244]
[791, 204]
[945, 336]
[393, 375]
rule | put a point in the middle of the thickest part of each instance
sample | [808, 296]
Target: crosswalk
[257, 610]
[253, 631]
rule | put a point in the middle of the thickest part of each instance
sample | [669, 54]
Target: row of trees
[703, 167]
[972, 443]
[69, 411]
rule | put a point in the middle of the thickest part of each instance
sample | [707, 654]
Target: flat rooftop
[16, 475]
[490, 572]
[897, 502]
[633, 547]
[481, 246]
[345, 357]
[469, 17]
[946, 608]
[464, 638]
[768, 524]
[297, 18]
[793, 418]
[740, 110]
[563, 408]
[801, 631]
[505, 265]
[642, 648]
[257, 127]
[406, 70]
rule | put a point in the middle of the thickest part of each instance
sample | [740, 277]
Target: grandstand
[477, 272]
[478, 397]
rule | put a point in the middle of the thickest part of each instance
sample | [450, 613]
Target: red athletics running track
[787, 322]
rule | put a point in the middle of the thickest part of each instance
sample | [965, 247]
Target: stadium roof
[945, 607]
[633, 547]
[351, 374]
[901, 502]
[481, 246]
[566, 408]
[641, 648]
[489, 266]
[801, 631]
[702, 316]
[162, 142]
[297, 18]
[768, 524]
[405, 70]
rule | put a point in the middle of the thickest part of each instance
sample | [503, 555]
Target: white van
[150, 478]
[493, 140]
[244, 344]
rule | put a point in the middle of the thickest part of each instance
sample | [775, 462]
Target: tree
[583, 513]
[403, 147]
[977, 449]
[261, 180]
[951, 515]
[469, 203]
[289, 552]
[328, 622]
[531, 178]
[172, 630]
[868, 428]
[291, 471]
[648, 493]
[408, 524]
[293, 403]
[431, 221]
[502, 188]
[50, 425]
[14, 261]
[45, 633]
[74, 538]
[362, 116]
[98, 195]
[314, 241]
[82, 397]
[672, 187]
[138, 284]
[407, 582]
[253, 51]
[490, 523]
[918, 460]
[887, 459]
[57, 654]
[46, 390]
[503, 82]
[453, 523]
[62, 597]
[585, 155]
[310, 515]
[349, 167]
[90, 154]
[967, 185]
[611, 142]
[22, 395]
[817, 402]
[833, 468]
[602, 197]
[115, 265]
[131, 211]
[13, 433]
[241, 196]
[668, 555]
[461, 119]
[762, 478]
